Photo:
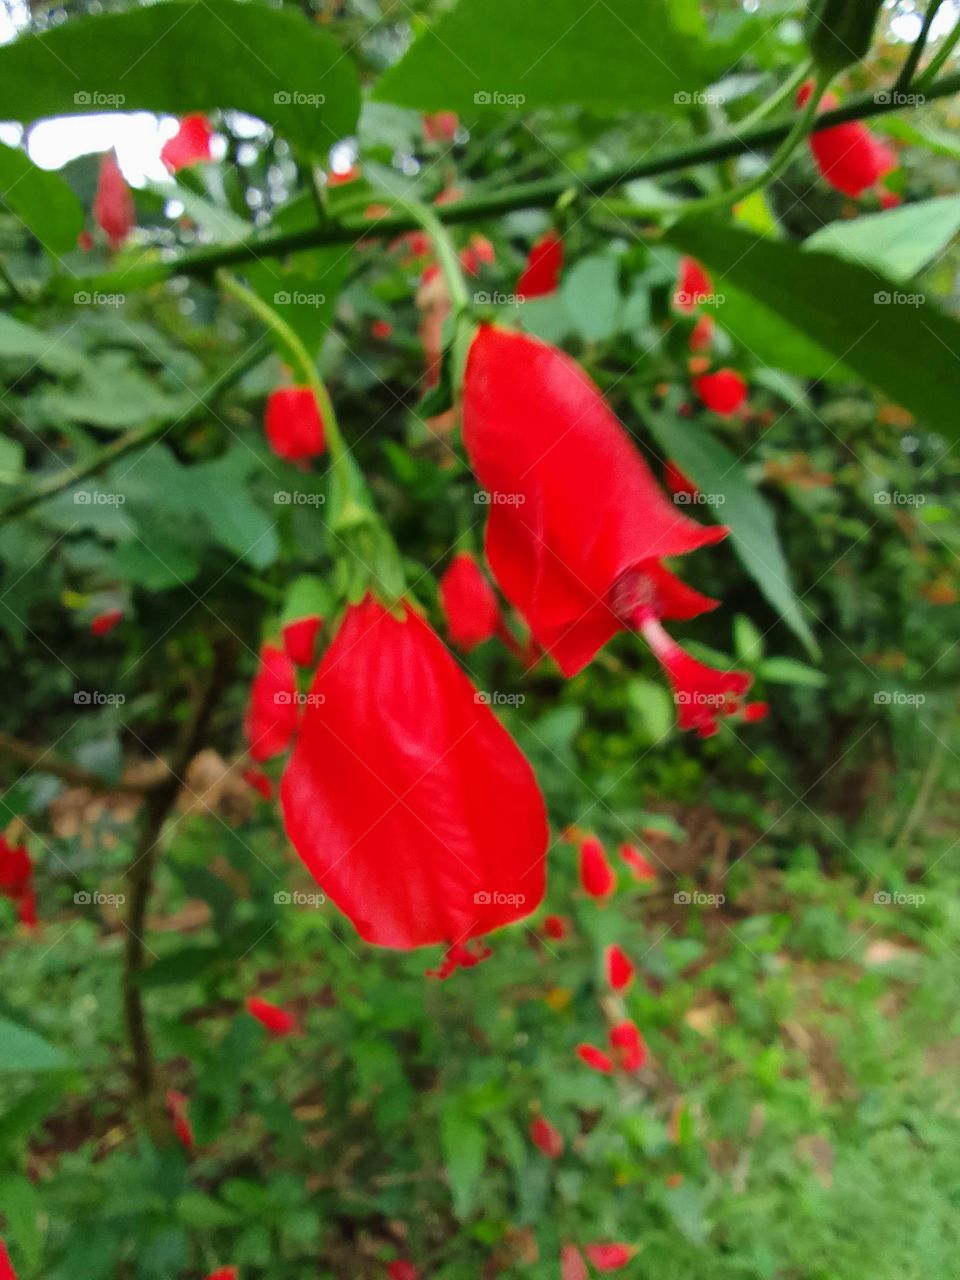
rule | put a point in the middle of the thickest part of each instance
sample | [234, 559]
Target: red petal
[407, 799]
[693, 285]
[572, 1265]
[271, 719]
[400, 1269]
[556, 927]
[468, 602]
[189, 145]
[257, 779]
[6, 1266]
[541, 275]
[619, 966]
[640, 867]
[596, 875]
[113, 203]
[595, 1058]
[293, 424]
[300, 639]
[609, 1257]
[104, 623]
[629, 1046]
[277, 1021]
[723, 392]
[546, 1138]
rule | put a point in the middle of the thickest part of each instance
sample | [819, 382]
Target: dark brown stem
[140, 876]
[44, 762]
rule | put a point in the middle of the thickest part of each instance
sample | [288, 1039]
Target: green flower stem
[939, 58]
[796, 77]
[916, 52]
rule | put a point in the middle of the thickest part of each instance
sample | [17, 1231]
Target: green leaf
[788, 671]
[181, 57]
[753, 533]
[41, 200]
[747, 640]
[305, 294]
[156, 563]
[940, 141]
[305, 597]
[591, 298]
[899, 242]
[221, 224]
[767, 336]
[908, 349]
[464, 1142]
[23, 1050]
[22, 343]
[485, 55]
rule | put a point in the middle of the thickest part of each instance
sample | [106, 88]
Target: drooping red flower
[609, 1257]
[723, 391]
[468, 602]
[556, 927]
[225, 1273]
[259, 781]
[628, 1045]
[406, 798]
[6, 1266]
[113, 203]
[640, 867]
[574, 509]
[596, 875]
[300, 639]
[850, 158]
[293, 424]
[104, 623]
[594, 1058]
[572, 1265]
[189, 145]
[177, 1110]
[693, 285]
[271, 718]
[401, 1269]
[541, 275]
[755, 711]
[279, 1022]
[441, 126]
[16, 880]
[619, 968]
[677, 482]
[546, 1138]
[701, 335]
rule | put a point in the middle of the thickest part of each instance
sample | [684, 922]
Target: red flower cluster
[850, 158]
[16, 880]
[190, 145]
[629, 1050]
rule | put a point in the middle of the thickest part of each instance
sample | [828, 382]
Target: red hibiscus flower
[468, 602]
[189, 145]
[693, 285]
[629, 1046]
[609, 1257]
[293, 424]
[579, 527]
[541, 275]
[271, 718]
[407, 799]
[276, 1020]
[723, 392]
[546, 1138]
[113, 203]
[300, 639]
[850, 158]
[104, 623]
[595, 1058]
[619, 968]
[640, 867]
[596, 874]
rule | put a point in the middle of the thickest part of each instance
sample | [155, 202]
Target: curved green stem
[779, 95]
[939, 58]
[916, 52]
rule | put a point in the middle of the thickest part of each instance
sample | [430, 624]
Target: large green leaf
[897, 341]
[179, 57]
[23, 1050]
[42, 201]
[753, 533]
[770, 338]
[524, 54]
[899, 242]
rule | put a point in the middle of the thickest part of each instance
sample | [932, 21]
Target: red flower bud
[271, 719]
[400, 1269]
[225, 1273]
[755, 711]
[609, 1257]
[189, 145]
[556, 927]
[177, 1110]
[257, 779]
[104, 623]
[277, 1021]
[701, 335]
[541, 275]
[293, 424]
[113, 203]
[850, 158]
[723, 392]
[595, 1058]
[300, 639]
[441, 126]
[572, 1265]
[407, 799]
[619, 967]
[546, 1138]
[693, 285]
[640, 867]
[468, 602]
[629, 1047]
[16, 880]
[596, 874]
[381, 330]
